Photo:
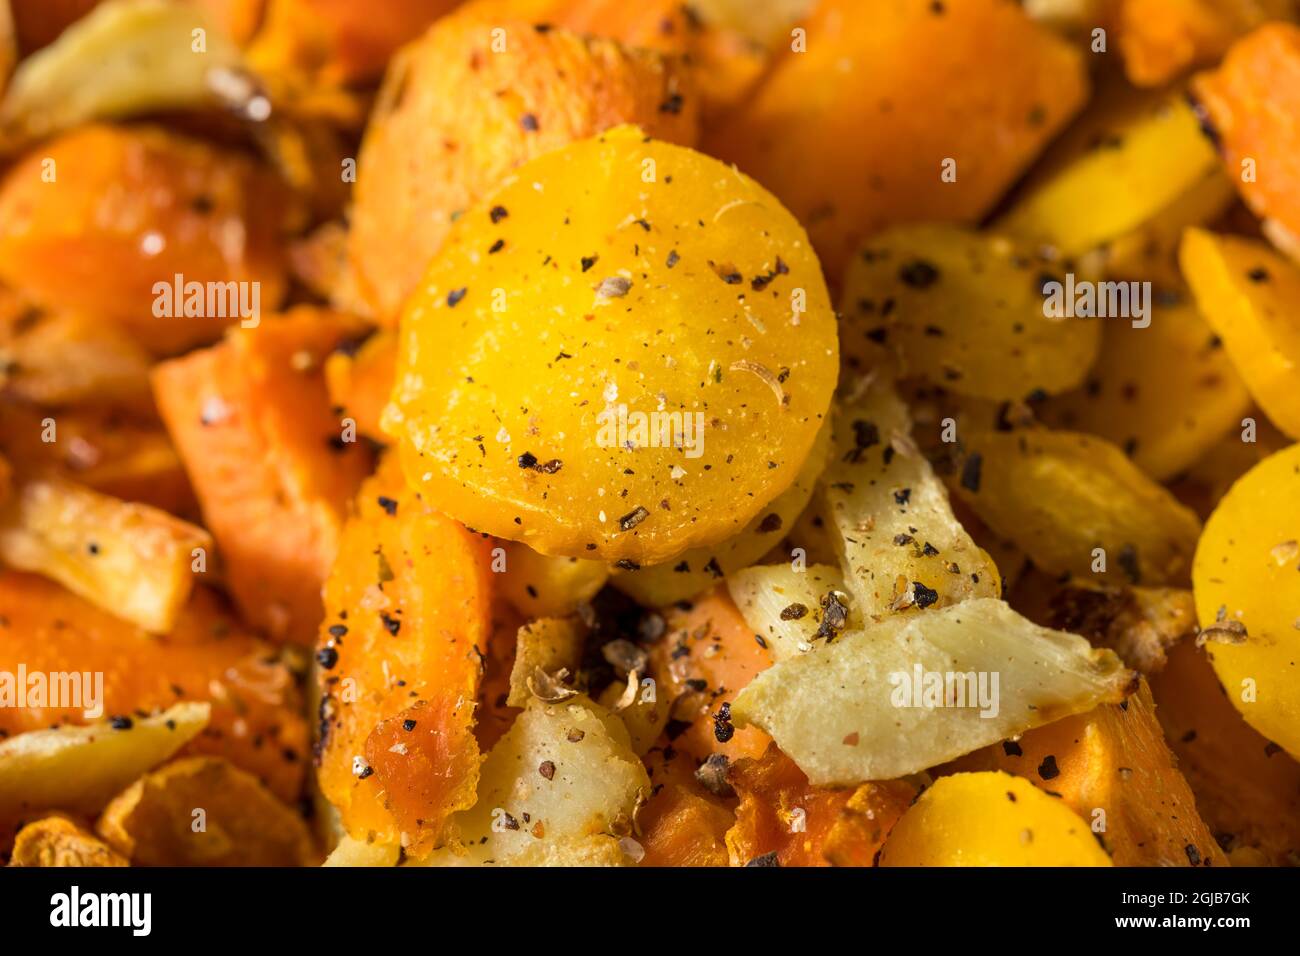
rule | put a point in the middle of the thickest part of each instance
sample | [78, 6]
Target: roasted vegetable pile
[575, 432]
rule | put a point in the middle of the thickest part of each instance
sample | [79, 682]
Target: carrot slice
[271, 463]
[408, 613]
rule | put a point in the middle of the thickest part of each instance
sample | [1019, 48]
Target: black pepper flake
[1128, 560]
[633, 518]
[970, 472]
[1048, 769]
[454, 297]
[496, 246]
[770, 523]
[529, 122]
[337, 630]
[497, 213]
[627, 564]
[793, 612]
[121, 722]
[1012, 749]
[903, 539]
[929, 550]
[388, 504]
[835, 614]
[924, 596]
[547, 769]
[723, 730]
[527, 460]
[673, 104]
[408, 725]
[918, 274]
[1193, 854]
[767, 859]
[713, 568]
[902, 496]
[588, 262]
[673, 258]
[392, 624]
[1257, 274]
[327, 657]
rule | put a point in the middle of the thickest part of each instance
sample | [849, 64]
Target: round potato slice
[1246, 580]
[624, 353]
[990, 819]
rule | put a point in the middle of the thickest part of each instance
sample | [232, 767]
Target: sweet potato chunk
[681, 824]
[443, 135]
[401, 652]
[881, 155]
[1247, 789]
[202, 811]
[781, 814]
[615, 381]
[207, 656]
[707, 655]
[273, 467]
[103, 218]
[1243, 101]
[360, 380]
[1112, 767]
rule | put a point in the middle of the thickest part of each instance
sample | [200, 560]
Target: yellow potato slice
[990, 819]
[1246, 581]
[1250, 295]
[1075, 504]
[965, 310]
[625, 353]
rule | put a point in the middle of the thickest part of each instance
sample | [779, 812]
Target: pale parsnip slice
[79, 769]
[559, 788]
[550, 644]
[787, 607]
[899, 544]
[121, 59]
[132, 560]
[353, 852]
[695, 571]
[847, 714]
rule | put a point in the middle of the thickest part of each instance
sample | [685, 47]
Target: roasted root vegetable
[167, 236]
[1164, 391]
[552, 646]
[1113, 768]
[965, 310]
[401, 648]
[442, 137]
[990, 819]
[907, 152]
[1241, 102]
[782, 817]
[899, 544]
[273, 467]
[360, 379]
[1247, 789]
[208, 656]
[789, 607]
[539, 585]
[1126, 166]
[608, 447]
[924, 687]
[79, 769]
[202, 811]
[559, 789]
[682, 824]
[59, 841]
[1075, 504]
[1249, 293]
[1159, 39]
[1246, 586]
[1141, 625]
[130, 559]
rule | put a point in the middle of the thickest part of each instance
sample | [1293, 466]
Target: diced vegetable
[550, 645]
[966, 310]
[401, 651]
[130, 559]
[1249, 294]
[1159, 39]
[608, 447]
[539, 585]
[1138, 624]
[361, 380]
[1075, 504]
[1248, 596]
[273, 467]
[990, 819]
[792, 608]
[58, 841]
[1165, 393]
[908, 152]
[913, 691]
